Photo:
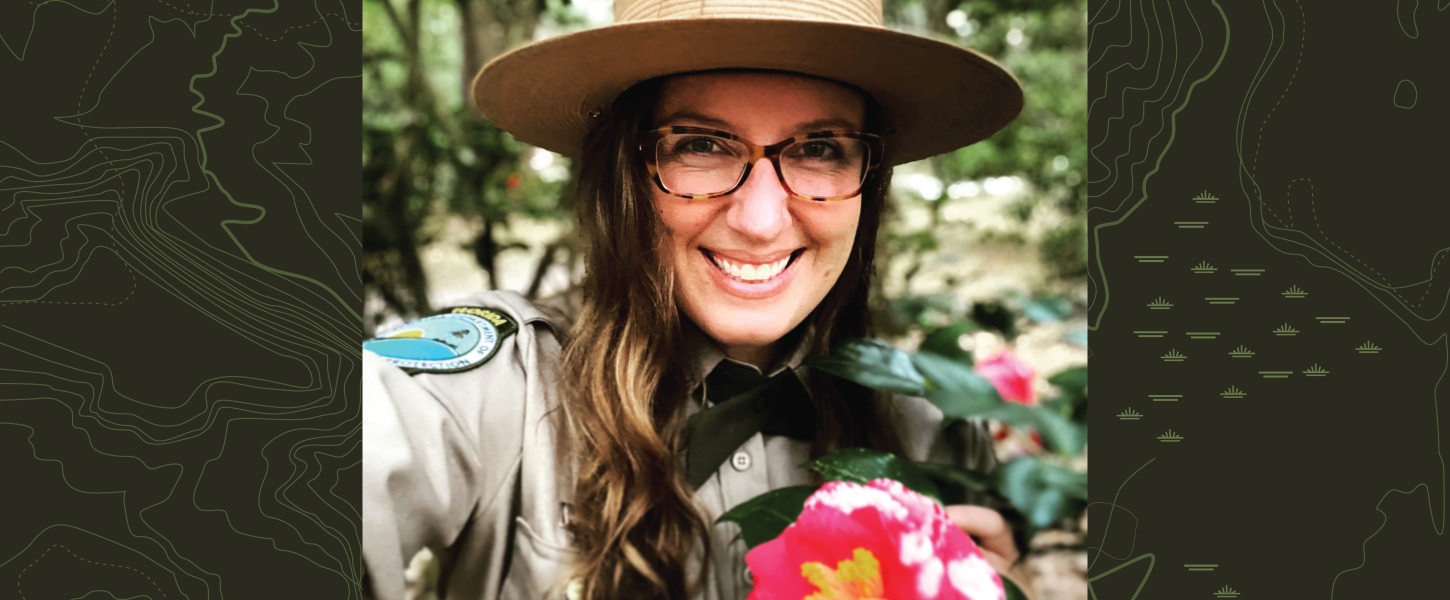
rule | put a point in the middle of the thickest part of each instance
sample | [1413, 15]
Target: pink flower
[1011, 376]
[875, 541]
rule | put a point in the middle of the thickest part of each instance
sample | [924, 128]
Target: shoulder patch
[457, 340]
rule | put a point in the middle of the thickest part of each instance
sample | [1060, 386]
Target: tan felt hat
[937, 97]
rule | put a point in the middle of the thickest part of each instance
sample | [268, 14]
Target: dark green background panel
[1282, 146]
[179, 412]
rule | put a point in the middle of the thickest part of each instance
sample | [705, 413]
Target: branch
[544, 263]
[397, 21]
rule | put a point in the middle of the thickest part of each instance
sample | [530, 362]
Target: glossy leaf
[1042, 491]
[1073, 380]
[976, 481]
[871, 363]
[962, 386]
[764, 517]
[861, 465]
[1060, 432]
[943, 342]
[1049, 504]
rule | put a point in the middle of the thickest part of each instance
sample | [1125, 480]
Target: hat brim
[938, 97]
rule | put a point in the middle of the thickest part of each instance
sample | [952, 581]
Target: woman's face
[758, 224]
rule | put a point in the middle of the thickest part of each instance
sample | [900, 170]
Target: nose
[760, 208]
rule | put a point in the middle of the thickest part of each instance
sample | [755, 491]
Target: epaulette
[459, 339]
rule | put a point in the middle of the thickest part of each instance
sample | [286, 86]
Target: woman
[734, 171]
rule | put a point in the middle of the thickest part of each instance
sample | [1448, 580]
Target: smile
[748, 272]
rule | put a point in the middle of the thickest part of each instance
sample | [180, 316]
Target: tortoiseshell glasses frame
[650, 140]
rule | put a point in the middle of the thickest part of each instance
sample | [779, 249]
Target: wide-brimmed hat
[937, 97]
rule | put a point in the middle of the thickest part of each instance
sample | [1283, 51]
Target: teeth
[752, 272]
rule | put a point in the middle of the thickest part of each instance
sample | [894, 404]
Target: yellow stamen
[858, 578]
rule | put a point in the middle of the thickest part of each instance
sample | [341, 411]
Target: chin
[731, 328]
[734, 335]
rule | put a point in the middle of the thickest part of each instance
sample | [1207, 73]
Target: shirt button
[741, 461]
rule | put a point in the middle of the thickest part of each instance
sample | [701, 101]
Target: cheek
[834, 232]
[681, 225]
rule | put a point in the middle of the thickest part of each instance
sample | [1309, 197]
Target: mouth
[752, 274]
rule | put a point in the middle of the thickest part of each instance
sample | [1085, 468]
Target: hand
[992, 532]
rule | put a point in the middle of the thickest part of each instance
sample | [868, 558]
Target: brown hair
[635, 521]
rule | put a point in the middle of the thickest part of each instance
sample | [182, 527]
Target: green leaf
[976, 481]
[1060, 432]
[861, 465]
[1073, 484]
[1049, 503]
[870, 363]
[1073, 380]
[943, 342]
[1020, 483]
[1042, 491]
[953, 376]
[764, 517]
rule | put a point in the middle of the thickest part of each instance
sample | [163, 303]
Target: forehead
[776, 103]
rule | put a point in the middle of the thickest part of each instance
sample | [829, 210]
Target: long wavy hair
[635, 522]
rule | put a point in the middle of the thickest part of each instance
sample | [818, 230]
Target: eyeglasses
[699, 163]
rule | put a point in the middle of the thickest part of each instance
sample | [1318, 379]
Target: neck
[763, 357]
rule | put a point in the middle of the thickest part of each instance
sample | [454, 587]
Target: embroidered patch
[457, 340]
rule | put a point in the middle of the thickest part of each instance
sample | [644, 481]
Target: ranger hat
[936, 96]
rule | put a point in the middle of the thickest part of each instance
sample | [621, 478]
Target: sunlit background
[988, 243]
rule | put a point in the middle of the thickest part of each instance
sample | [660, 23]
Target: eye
[818, 149]
[700, 145]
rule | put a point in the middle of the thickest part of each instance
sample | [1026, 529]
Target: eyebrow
[808, 126]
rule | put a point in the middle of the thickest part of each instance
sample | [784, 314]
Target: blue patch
[455, 341]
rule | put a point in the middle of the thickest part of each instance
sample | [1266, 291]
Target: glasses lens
[691, 163]
[826, 167]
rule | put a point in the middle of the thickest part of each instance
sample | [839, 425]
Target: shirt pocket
[537, 568]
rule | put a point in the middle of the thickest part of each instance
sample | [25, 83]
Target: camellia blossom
[876, 541]
[1012, 377]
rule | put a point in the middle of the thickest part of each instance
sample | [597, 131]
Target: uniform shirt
[468, 464]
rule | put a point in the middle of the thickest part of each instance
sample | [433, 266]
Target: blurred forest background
[984, 247]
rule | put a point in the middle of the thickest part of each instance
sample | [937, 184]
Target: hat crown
[859, 12]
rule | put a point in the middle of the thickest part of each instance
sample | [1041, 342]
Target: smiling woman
[728, 204]
[750, 265]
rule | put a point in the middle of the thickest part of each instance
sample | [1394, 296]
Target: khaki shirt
[465, 464]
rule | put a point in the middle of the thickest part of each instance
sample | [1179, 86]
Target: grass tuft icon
[1316, 371]
[1130, 415]
[1294, 292]
[1241, 352]
[1169, 437]
[1368, 347]
[1233, 391]
[1173, 356]
[1160, 304]
[1204, 268]
[1285, 329]
[1226, 592]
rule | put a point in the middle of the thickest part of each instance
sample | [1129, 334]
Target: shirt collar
[704, 354]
